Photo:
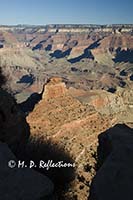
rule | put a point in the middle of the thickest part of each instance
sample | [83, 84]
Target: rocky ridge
[74, 118]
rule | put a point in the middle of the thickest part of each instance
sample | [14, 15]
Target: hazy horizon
[64, 24]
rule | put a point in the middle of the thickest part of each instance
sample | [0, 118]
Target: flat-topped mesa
[54, 88]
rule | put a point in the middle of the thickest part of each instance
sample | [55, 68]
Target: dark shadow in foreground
[114, 166]
[15, 131]
[46, 151]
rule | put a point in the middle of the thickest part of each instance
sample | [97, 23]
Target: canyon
[88, 57]
[66, 93]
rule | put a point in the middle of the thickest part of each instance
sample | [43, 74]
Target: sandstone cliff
[73, 119]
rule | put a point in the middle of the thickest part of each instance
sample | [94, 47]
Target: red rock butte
[54, 88]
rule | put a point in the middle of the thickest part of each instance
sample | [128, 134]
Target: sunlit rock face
[54, 89]
[73, 119]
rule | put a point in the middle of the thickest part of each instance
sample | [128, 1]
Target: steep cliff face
[114, 41]
[14, 129]
[54, 89]
[111, 46]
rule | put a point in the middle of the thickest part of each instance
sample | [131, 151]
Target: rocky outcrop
[14, 129]
[21, 183]
[115, 157]
[65, 111]
[73, 119]
[54, 89]
[59, 108]
[107, 103]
